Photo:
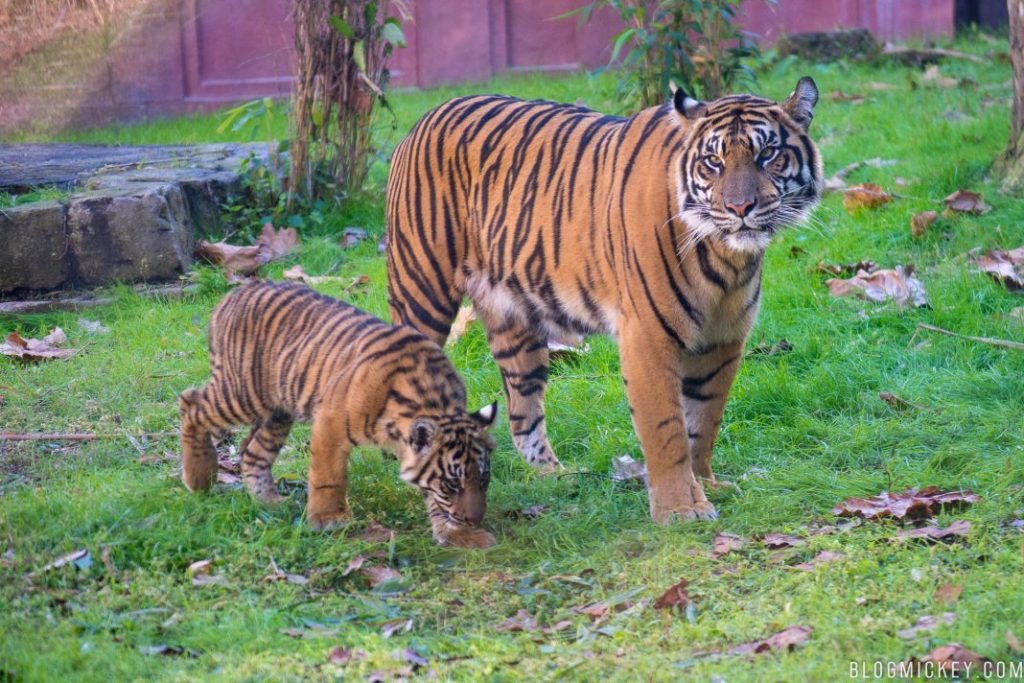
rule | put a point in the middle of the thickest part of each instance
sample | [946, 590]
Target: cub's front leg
[652, 371]
[327, 504]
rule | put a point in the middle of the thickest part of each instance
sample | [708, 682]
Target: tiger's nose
[741, 209]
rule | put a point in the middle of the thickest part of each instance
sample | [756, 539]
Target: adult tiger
[556, 220]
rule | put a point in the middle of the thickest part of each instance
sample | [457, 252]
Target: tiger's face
[449, 460]
[749, 168]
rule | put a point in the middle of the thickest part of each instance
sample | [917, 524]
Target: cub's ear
[686, 105]
[800, 105]
[486, 416]
[422, 435]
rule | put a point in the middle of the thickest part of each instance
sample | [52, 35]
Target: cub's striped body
[283, 352]
[558, 221]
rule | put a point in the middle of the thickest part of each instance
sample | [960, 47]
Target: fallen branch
[14, 436]
[917, 54]
[1001, 343]
[77, 303]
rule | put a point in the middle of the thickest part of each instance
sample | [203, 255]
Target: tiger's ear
[800, 105]
[686, 105]
[486, 416]
[422, 435]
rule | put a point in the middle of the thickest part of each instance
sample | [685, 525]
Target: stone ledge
[132, 214]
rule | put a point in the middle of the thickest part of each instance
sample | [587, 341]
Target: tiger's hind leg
[522, 355]
[200, 416]
[259, 451]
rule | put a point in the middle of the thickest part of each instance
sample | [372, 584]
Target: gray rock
[34, 249]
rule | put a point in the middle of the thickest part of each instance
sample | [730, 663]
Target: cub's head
[449, 459]
[748, 167]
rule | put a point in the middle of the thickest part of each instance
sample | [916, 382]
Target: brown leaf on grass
[625, 468]
[393, 626]
[927, 624]
[233, 259]
[299, 274]
[558, 626]
[847, 268]
[297, 579]
[764, 348]
[358, 282]
[277, 243]
[933, 76]
[960, 527]
[910, 505]
[229, 468]
[354, 564]
[840, 96]
[199, 568]
[1013, 642]
[725, 543]
[779, 541]
[377, 533]
[377, 574]
[350, 237]
[919, 223]
[675, 597]
[340, 656]
[898, 285]
[898, 402]
[521, 622]
[1005, 267]
[314, 631]
[824, 557]
[46, 348]
[965, 201]
[951, 660]
[865, 196]
[783, 641]
[947, 593]
[463, 319]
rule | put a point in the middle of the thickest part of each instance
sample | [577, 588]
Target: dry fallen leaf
[725, 543]
[919, 223]
[299, 274]
[463, 319]
[927, 624]
[898, 285]
[358, 282]
[960, 527]
[911, 504]
[233, 259]
[1005, 267]
[847, 268]
[951, 659]
[625, 468]
[393, 626]
[532, 512]
[865, 196]
[763, 348]
[46, 348]
[199, 568]
[934, 77]
[314, 631]
[898, 401]
[297, 579]
[824, 557]
[947, 593]
[278, 242]
[1013, 642]
[779, 541]
[965, 201]
[339, 655]
[522, 621]
[377, 574]
[783, 641]
[675, 597]
[377, 533]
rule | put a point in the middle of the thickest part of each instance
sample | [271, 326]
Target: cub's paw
[271, 497]
[325, 521]
[466, 538]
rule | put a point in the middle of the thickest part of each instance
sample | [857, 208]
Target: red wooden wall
[174, 56]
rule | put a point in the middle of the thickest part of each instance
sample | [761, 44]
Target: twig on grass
[1001, 343]
[14, 436]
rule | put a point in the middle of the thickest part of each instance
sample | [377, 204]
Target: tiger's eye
[767, 154]
[713, 160]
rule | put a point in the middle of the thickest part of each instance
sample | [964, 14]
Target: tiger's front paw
[465, 538]
[325, 521]
[682, 504]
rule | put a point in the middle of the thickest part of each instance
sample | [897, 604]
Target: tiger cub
[283, 352]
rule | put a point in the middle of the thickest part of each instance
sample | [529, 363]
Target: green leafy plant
[696, 44]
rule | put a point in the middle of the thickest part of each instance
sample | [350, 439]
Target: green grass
[802, 431]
